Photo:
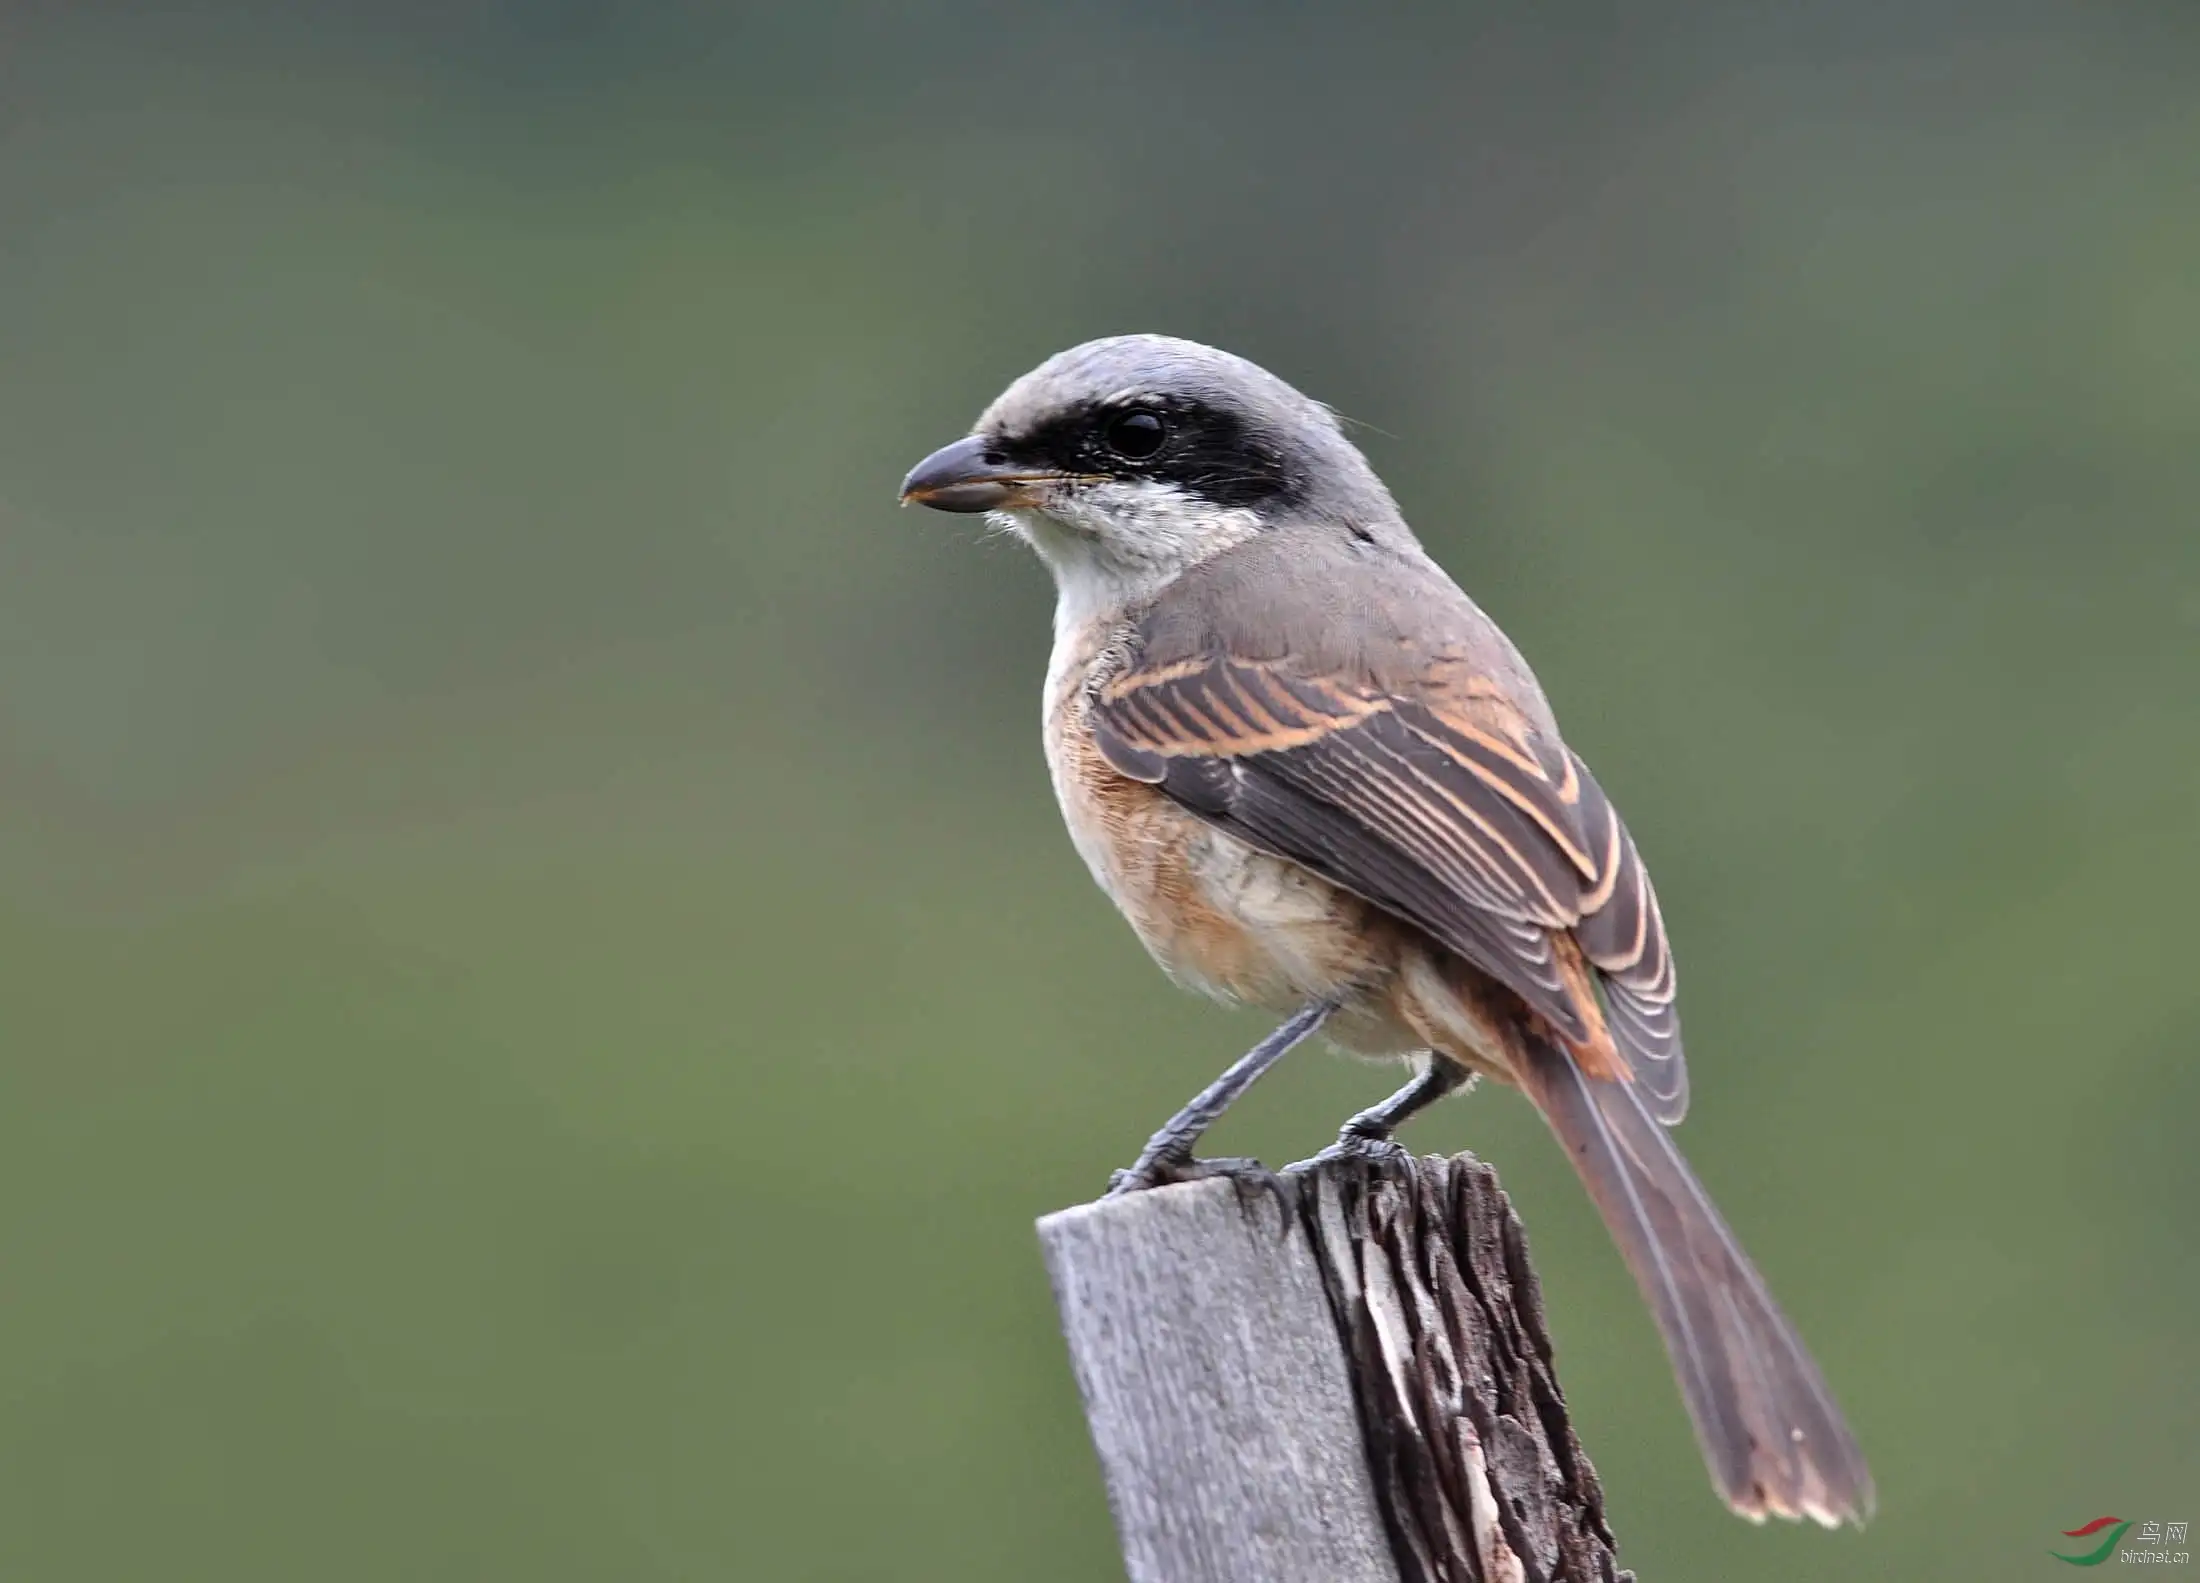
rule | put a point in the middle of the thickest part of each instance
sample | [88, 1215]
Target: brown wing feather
[1623, 935]
[1443, 808]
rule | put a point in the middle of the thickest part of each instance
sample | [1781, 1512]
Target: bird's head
[1125, 462]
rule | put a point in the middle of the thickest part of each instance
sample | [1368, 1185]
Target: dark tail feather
[1770, 1431]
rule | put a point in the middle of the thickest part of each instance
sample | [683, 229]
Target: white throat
[1114, 546]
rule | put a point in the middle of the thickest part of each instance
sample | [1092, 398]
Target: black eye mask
[1206, 451]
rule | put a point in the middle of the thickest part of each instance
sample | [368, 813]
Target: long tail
[1771, 1434]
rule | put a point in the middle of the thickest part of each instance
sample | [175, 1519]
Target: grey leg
[1369, 1132]
[1167, 1156]
[1376, 1123]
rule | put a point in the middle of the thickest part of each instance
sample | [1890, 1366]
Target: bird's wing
[1437, 802]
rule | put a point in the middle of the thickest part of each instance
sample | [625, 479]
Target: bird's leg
[1369, 1133]
[1376, 1123]
[1167, 1156]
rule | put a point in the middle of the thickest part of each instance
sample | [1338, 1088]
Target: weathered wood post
[1345, 1380]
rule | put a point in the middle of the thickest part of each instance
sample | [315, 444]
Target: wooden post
[1341, 1378]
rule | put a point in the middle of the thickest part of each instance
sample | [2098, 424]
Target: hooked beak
[960, 477]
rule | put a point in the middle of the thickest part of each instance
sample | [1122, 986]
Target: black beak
[961, 477]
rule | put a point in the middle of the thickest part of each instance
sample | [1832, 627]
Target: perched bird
[1316, 778]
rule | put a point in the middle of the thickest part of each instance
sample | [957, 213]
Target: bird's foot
[1165, 1170]
[1254, 1181]
[1356, 1145]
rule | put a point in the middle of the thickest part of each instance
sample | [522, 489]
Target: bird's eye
[1137, 435]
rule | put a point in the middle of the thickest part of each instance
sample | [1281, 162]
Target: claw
[1153, 1171]
[1252, 1180]
[1166, 1170]
[1355, 1146]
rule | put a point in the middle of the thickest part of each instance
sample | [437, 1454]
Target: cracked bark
[1345, 1379]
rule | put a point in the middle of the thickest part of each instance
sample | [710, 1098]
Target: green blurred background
[543, 990]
